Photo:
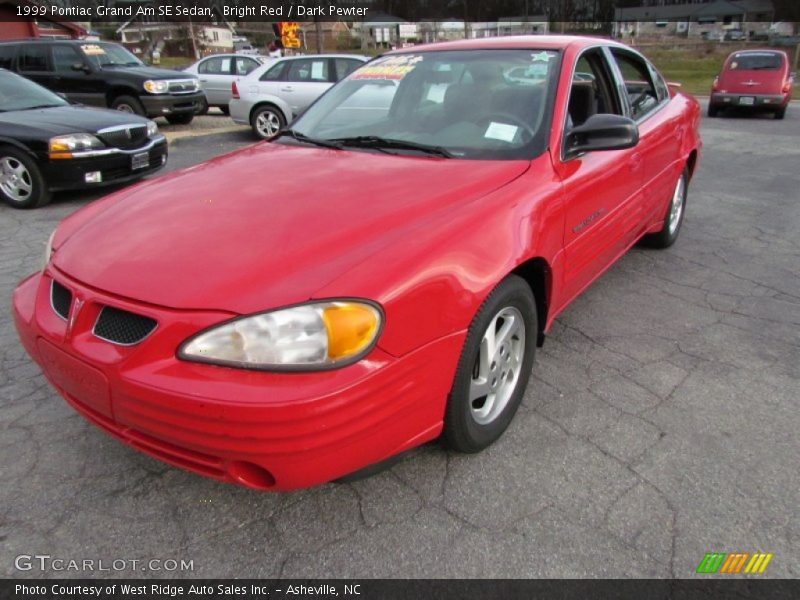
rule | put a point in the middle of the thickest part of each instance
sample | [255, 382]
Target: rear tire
[713, 111]
[780, 113]
[267, 121]
[674, 217]
[225, 110]
[21, 181]
[181, 119]
[494, 367]
[128, 104]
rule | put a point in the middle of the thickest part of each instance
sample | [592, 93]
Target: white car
[274, 94]
[218, 71]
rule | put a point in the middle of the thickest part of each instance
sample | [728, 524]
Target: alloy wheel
[15, 180]
[268, 123]
[498, 365]
[676, 208]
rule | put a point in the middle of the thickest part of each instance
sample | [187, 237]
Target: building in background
[714, 20]
[13, 27]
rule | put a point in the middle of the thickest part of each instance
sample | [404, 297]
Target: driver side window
[591, 92]
[642, 94]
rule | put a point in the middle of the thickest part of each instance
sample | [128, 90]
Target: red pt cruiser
[753, 80]
[373, 278]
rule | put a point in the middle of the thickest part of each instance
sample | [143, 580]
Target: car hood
[264, 226]
[146, 72]
[68, 119]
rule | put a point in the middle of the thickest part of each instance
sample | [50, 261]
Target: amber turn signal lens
[351, 328]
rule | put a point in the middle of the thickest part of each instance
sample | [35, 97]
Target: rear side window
[7, 53]
[755, 61]
[33, 57]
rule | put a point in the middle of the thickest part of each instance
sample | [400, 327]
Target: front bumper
[760, 101]
[114, 164]
[162, 105]
[269, 431]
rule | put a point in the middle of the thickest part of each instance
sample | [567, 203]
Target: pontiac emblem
[129, 134]
[77, 305]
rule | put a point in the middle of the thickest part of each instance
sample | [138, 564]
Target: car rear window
[755, 61]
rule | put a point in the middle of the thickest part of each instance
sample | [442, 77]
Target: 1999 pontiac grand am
[373, 278]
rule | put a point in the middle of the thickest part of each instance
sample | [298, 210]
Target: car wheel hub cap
[497, 368]
[125, 108]
[15, 180]
[676, 208]
[268, 124]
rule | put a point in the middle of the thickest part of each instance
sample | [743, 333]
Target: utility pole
[318, 31]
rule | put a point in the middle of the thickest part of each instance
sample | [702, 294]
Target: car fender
[276, 101]
[18, 145]
[432, 282]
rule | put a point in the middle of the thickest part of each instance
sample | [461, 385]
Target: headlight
[48, 250]
[63, 146]
[152, 128]
[305, 337]
[160, 86]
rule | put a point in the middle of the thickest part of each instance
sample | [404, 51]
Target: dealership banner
[401, 589]
[388, 11]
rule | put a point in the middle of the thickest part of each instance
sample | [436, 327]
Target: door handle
[204, 81]
[635, 162]
[288, 88]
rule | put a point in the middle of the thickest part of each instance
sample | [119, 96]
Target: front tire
[21, 181]
[128, 104]
[267, 121]
[494, 367]
[203, 107]
[181, 119]
[674, 217]
[713, 111]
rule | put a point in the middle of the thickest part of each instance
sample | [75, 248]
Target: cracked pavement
[660, 423]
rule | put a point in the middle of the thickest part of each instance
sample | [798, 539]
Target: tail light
[234, 90]
[715, 85]
[787, 87]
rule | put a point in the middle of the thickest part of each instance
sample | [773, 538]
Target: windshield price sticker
[501, 131]
[92, 49]
[393, 67]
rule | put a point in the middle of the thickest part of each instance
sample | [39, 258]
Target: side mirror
[79, 66]
[601, 132]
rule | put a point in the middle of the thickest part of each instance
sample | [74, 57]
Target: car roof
[59, 40]
[545, 42]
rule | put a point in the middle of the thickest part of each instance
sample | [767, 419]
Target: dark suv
[104, 74]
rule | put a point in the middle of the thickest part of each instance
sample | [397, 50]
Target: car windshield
[109, 55]
[755, 61]
[481, 104]
[18, 93]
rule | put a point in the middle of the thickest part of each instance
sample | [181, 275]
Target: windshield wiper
[302, 137]
[379, 143]
[37, 106]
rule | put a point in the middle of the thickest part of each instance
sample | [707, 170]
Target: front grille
[122, 327]
[182, 87]
[60, 299]
[127, 137]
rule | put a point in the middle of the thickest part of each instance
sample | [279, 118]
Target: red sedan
[753, 80]
[373, 278]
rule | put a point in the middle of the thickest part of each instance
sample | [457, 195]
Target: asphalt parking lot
[660, 424]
